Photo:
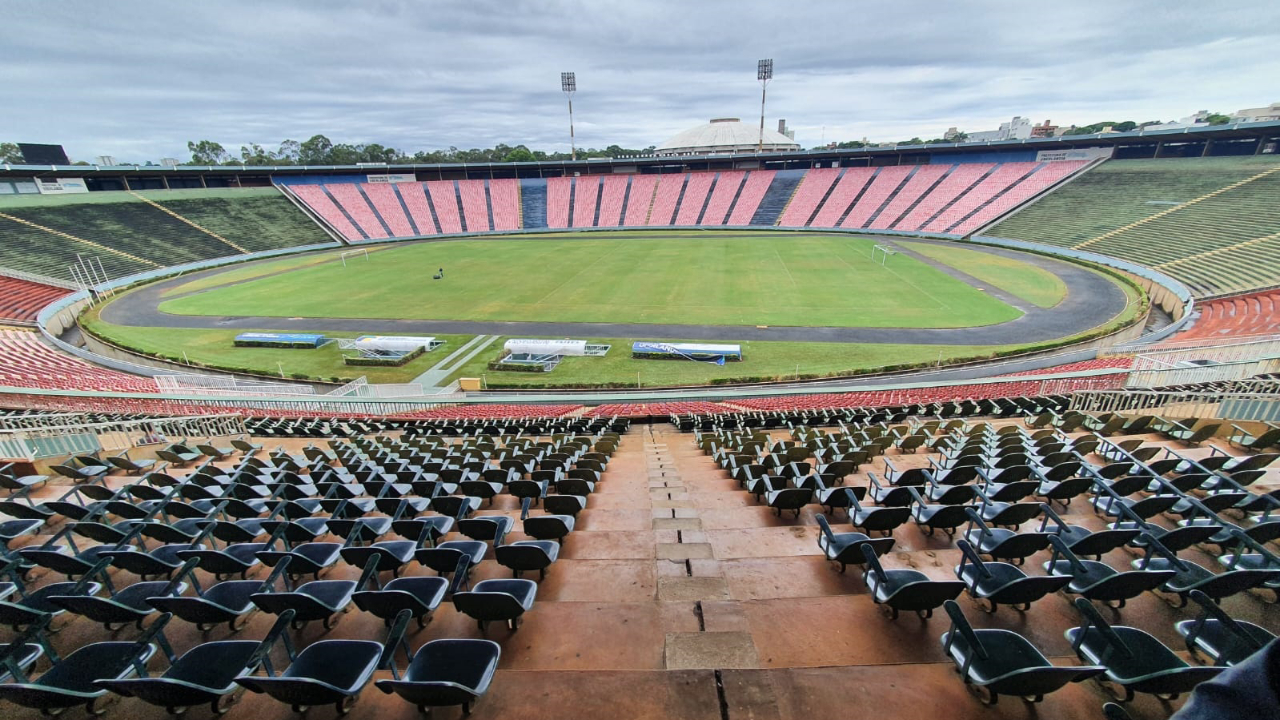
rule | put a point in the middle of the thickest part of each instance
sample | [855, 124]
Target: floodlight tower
[764, 73]
[569, 84]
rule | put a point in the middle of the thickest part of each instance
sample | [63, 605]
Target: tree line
[320, 150]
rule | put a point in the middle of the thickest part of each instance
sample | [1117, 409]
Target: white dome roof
[723, 135]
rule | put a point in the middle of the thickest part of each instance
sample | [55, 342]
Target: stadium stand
[749, 198]
[256, 219]
[640, 199]
[444, 198]
[318, 200]
[387, 204]
[665, 199]
[1004, 176]
[1210, 222]
[504, 198]
[506, 412]
[924, 178]
[1043, 178]
[27, 362]
[658, 409]
[694, 199]
[21, 300]
[885, 184]
[475, 208]
[960, 179]
[558, 191]
[415, 199]
[131, 233]
[586, 191]
[1235, 317]
[842, 196]
[612, 196]
[1120, 363]
[352, 200]
[726, 189]
[812, 189]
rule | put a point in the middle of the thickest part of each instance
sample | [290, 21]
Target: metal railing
[1245, 400]
[114, 436]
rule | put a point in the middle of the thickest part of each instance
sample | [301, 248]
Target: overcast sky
[137, 79]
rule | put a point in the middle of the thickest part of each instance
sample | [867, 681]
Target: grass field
[731, 278]
[253, 271]
[763, 361]
[1033, 284]
[216, 348]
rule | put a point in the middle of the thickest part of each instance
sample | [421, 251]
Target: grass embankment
[1024, 280]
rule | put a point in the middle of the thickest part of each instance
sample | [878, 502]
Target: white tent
[575, 348]
[393, 343]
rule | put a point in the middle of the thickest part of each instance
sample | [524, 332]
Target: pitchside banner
[61, 186]
[391, 178]
[1074, 154]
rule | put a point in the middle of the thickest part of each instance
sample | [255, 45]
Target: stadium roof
[725, 135]
[1266, 132]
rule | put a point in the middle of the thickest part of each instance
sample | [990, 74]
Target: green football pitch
[706, 278]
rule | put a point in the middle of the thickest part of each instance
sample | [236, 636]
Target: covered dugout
[389, 346]
[547, 352]
[686, 351]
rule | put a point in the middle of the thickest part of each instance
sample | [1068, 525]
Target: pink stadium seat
[444, 197]
[1005, 175]
[558, 190]
[695, 197]
[640, 200]
[504, 195]
[612, 195]
[1048, 175]
[886, 182]
[726, 188]
[753, 190]
[475, 209]
[586, 191]
[924, 178]
[664, 202]
[387, 203]
[415, 198]
[812, 188]
[842, 196]
[352, 200]
[962, 176]
[318, 200]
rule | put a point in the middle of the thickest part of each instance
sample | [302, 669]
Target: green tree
[1217, 119]
[316, 151]
[207, 152]
[9, 153]
[253, 154]
[519, 154]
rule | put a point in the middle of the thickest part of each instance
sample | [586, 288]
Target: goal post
[361, 251]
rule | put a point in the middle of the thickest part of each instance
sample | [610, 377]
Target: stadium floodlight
[569, 84]
[764, 73]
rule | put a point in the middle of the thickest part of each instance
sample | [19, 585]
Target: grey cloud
[138, 78]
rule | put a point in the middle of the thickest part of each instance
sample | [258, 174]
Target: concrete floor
[678, 596]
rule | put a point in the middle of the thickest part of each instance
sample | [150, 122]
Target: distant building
[951, 134]
[107, 160]
[1198, 119]
[784, 130]
[1019, 128]
[725, 135]
[1044, 130]
[1270, 113]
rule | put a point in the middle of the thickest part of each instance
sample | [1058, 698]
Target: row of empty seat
[21, 300]
[376, 211]
[124, 233]
[27, 362]
[1235, 317]
[1211, 222]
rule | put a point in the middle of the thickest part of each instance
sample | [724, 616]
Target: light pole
[764, 73]
[569, 84]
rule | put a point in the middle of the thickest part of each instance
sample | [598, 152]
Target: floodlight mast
[569, 84]
[764, 73]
